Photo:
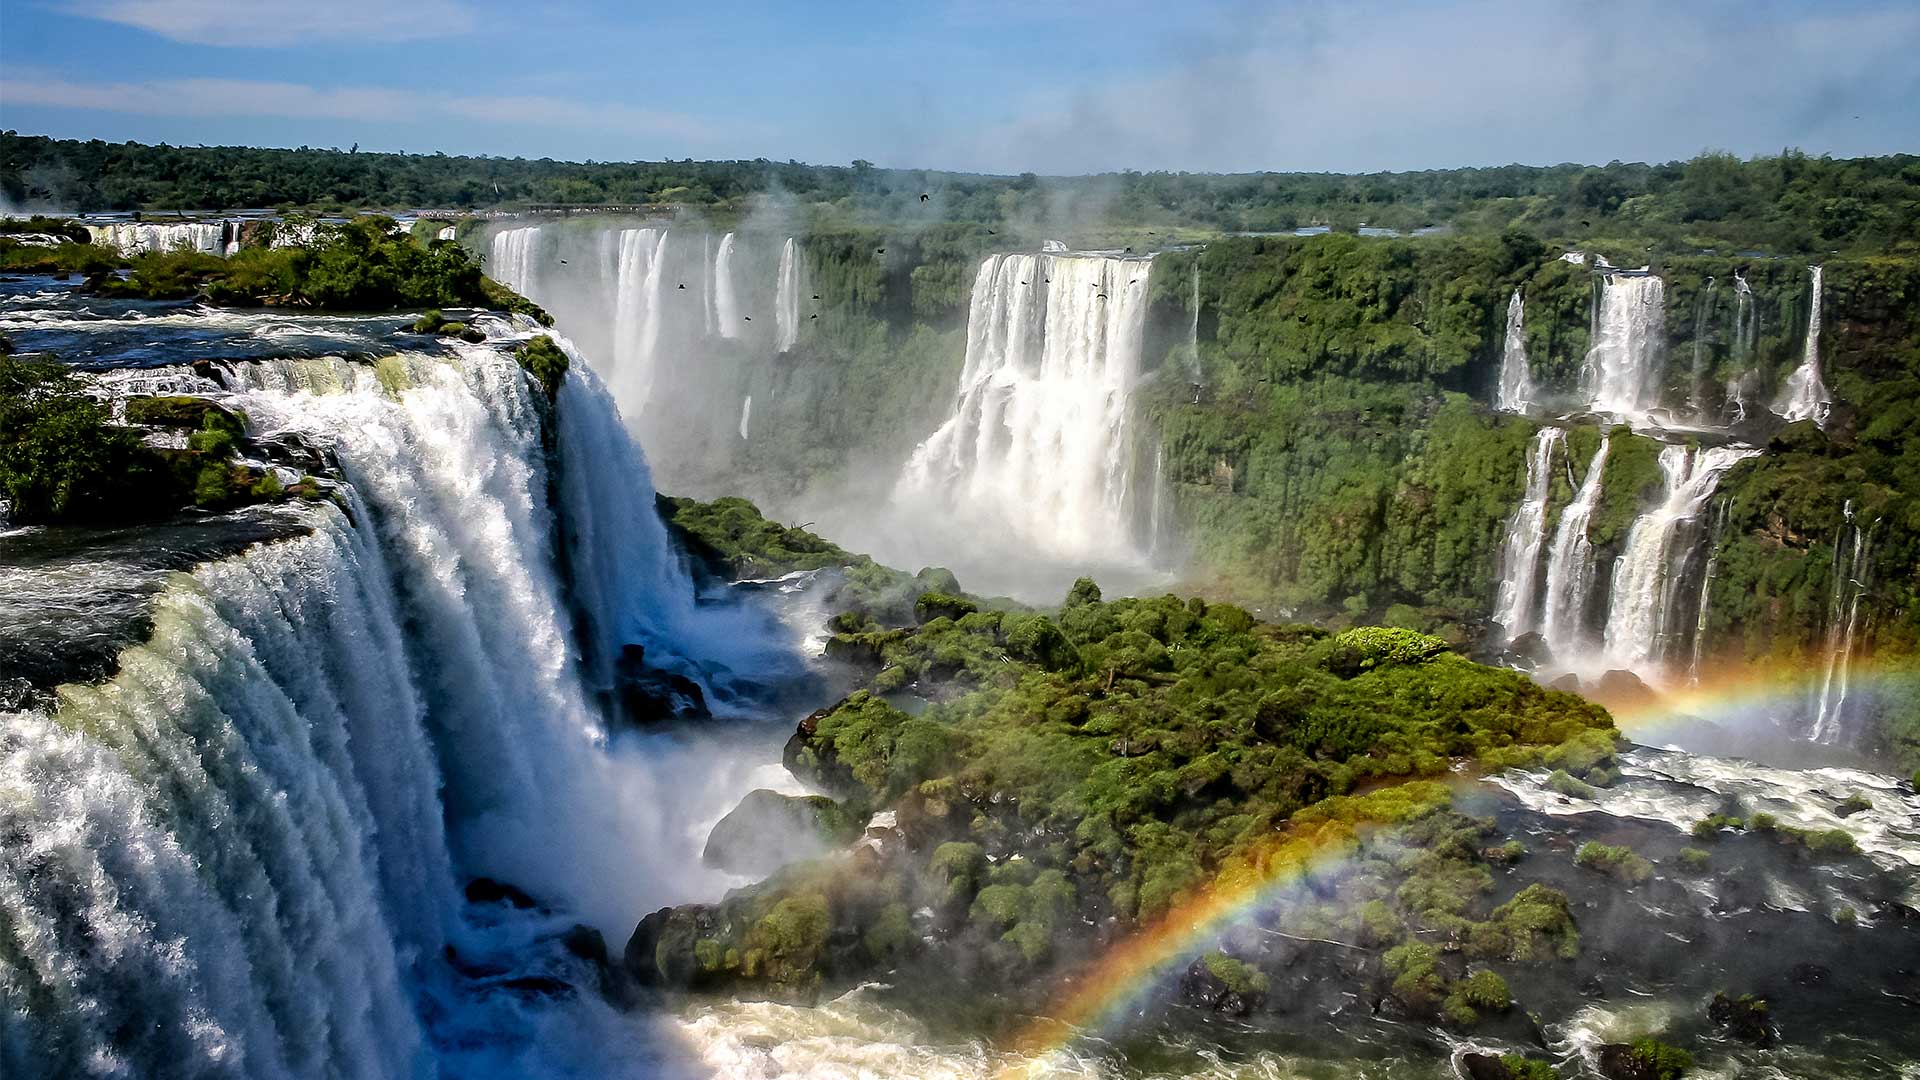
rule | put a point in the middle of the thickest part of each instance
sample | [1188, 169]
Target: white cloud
[1371, 86]
[284, 22]
[241, 97]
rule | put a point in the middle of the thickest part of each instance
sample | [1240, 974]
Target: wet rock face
[1223, 985]
[768, 830]
[649, 695]
[1745, 1018]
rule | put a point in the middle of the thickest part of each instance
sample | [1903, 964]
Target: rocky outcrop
[768, 830]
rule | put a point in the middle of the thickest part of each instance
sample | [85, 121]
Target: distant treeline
[1788, 203]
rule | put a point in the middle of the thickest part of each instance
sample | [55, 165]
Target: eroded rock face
[649, 695]
[1746, 1018]
[1223, 985]
[768, 830]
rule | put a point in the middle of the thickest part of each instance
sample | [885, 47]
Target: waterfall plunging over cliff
[1038, 440]
[513, 258]
[1645, 620]
[1626, 363]
[1516, 390]
[1805, 396]
[140, 238]
[238, 857]
[1570, 567]
[786, 298]
[1514, 606]
[726, 304]
[1852, 569]
[640, 287]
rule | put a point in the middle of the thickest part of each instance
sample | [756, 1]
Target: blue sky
[988, 85]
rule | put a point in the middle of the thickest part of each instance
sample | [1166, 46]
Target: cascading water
[1625, 365]
[230, 859]
[1526, 534]
[513, 258]
[786, 298]
[1038, 441]
[140, 238]
[1805, 396]
[1516, 390]
[746, 414]
[1852, 565]
[1745, 343]
[1703, 320]
[1193, 332]
[726, 304]
[1702, 607]
[1645, 623]
[1570, 567]
[634, 364]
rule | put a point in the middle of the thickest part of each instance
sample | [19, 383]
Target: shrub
[1238, 976]
[1620, 862]
[545, 361]
[1659, 1061]
[1566, 785]
[61, 457]
[1694, 860]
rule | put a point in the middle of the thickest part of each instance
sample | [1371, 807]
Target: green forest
[1789, 203]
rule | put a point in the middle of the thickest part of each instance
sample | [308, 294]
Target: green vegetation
[1525, 1068]
[1658, 1061]
[545, 361]
[1238, 977]
[64, 459]
[61, 456]
[1115, 759]
[362, 265]
[1621, 862]
[1790, 202]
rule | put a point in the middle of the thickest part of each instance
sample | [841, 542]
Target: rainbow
[1315, 841]
[1741, 696]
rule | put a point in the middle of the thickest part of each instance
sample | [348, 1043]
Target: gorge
[443, 766]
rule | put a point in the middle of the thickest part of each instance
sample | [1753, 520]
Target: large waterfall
[1526, 535]
[1852, 569]
[638, 313]
[786, 298]
[1038, 440]
[1516, 389]
[726, 305]
[140, 238]
[1805, 395]
[1644, 617]
[1625, 366]
[1570, 568]
[230, 859]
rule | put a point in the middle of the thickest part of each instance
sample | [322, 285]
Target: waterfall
[631, 369]
[1703, 606]
[786, 301]
[1644, 620]
[1037, 443]
[726, 307]
[1851, 567]
[141, 238]
[1746, 341]
[746, 414]
[1703, 313]
[1526, 534]
[1805, 396]
[1516, 382]
[1624, 367]
[1193, 330]
[1570, 565]
[238, 857]
[512, 258]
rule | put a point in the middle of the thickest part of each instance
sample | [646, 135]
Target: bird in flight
[923, 196]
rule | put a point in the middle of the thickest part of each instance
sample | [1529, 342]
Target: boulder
[1529, 651]
[649, 695]
[1745, 1018]
[768, 830]
[1620, 688]
[1223, 984]
[483, 890]
[1568, 682]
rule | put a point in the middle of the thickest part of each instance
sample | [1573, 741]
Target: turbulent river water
[250, 763]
